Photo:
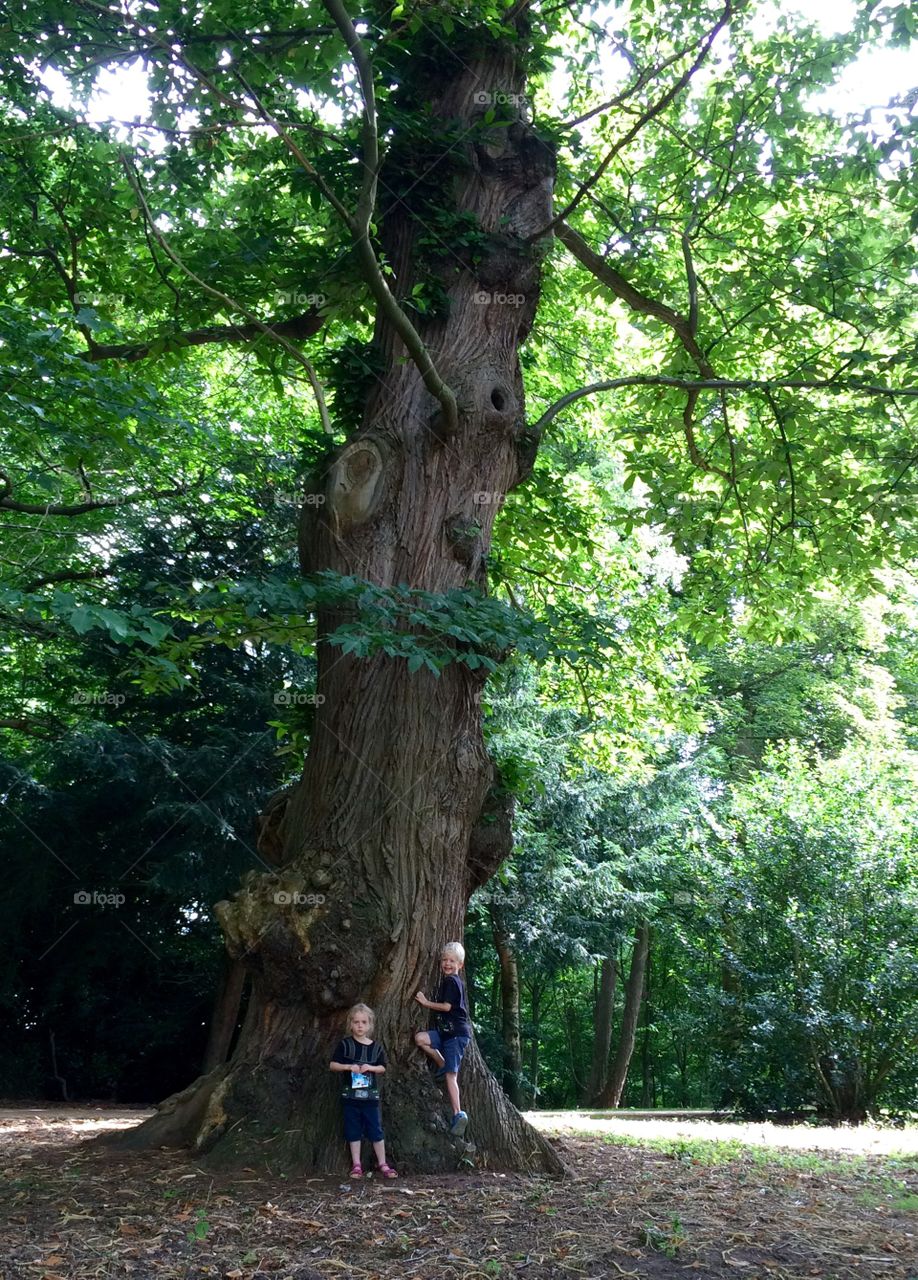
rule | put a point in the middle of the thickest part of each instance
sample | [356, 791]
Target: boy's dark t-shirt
[455, 1023]
[351, 1050]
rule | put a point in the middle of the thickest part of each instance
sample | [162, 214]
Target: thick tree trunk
[225, 1016]
[392, 825]
[634, 990]
[512, 1074]
[602, 1031]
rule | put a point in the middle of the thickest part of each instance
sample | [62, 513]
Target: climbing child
[449, 1041]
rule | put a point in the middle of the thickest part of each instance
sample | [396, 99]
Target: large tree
[381, 180]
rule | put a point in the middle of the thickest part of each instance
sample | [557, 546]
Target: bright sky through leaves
[876, 77]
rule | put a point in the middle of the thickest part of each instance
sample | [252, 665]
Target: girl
[364, 1061]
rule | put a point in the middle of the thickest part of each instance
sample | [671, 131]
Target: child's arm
[345, 1066]
[432, 1004]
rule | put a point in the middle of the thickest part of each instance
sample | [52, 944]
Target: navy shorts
[362, 1119]
[453, 1049]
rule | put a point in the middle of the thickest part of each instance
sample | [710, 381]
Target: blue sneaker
[459, 1125]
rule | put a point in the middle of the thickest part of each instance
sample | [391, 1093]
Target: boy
[447, 1044]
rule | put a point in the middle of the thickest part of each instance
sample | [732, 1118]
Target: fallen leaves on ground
[82, 1212]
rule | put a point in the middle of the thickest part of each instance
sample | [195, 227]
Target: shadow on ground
[75, 1211]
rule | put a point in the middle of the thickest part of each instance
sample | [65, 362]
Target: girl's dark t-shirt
[362, 1088]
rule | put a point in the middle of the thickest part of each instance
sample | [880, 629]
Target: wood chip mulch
[74, 1211]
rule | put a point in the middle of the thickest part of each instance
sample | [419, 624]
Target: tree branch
[386, 300]
[295, 327]
[320, 398]
[603, 270]
[77, 508]
[721, 384]
[358, 226]
[51, 728]
[692, 278]
[643, 119]
[229, 302]
[67, 575]
[776, 411]
[648, 74]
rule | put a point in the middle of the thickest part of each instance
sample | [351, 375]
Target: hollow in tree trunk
[396, 818]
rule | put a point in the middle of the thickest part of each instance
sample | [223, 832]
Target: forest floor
[653, 1207]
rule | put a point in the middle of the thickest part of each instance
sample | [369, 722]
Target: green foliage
[200, 1229]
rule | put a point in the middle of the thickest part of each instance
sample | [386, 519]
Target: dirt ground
[76, 1211]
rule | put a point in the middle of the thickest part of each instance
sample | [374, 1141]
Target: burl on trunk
[396, 818]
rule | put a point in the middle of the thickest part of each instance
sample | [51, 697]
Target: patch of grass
[714, 1151]
[667, 1240]
[200, 1229]
[28, 1182]
[890, 1193]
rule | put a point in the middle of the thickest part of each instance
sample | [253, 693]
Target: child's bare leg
[422, 1040]
[452, 1088]
[355, 1152]
[380, 1149]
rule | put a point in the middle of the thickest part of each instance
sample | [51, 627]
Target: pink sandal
[357, 1171]
[387, 1171]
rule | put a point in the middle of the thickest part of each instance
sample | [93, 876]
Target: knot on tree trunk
[293, 930]
[356, 484]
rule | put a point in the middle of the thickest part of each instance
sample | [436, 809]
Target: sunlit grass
[711, 1142]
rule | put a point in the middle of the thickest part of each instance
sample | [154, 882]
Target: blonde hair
[361, 1008]
[454, 949]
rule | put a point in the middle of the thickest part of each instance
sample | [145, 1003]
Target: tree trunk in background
[732, 1033]
[534, 1046]
[225, 1016]
[510, 1010]
[391, 826]
[572, 1036]
[602, 1031]
[648, 1075]
[634, 990]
